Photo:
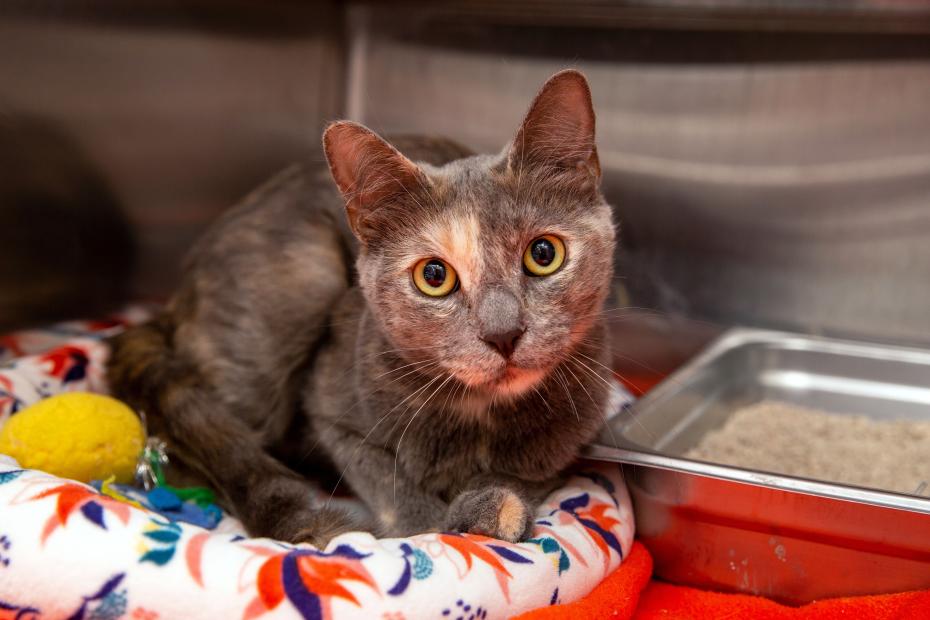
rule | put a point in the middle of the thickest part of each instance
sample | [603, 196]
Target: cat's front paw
[497, 512]
[321, 525]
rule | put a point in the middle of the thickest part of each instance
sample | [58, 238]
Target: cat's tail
[142, 362]
[147, 372]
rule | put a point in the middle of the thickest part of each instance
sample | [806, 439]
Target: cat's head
[489, 269]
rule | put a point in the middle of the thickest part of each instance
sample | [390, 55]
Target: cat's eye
[543, 256]
[435, 277]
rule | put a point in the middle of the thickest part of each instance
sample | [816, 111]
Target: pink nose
[504, 342]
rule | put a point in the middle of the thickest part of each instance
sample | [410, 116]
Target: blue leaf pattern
[574, 503]
[108, 587]
[94, 512]
[305, 601]
[401, 586]
[604, 482]
[345, 551]
[165, 536]
[551, 545]
[102, 593]
[158, 556]
[10, 476]
[507, 554]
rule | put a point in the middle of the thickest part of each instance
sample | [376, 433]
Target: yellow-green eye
[434, 277]
[544, 255]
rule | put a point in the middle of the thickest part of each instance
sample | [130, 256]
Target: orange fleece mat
[628, 593]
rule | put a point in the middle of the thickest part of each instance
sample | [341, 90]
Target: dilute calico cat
[433, 327]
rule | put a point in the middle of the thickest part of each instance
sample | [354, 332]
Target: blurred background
[769, 160]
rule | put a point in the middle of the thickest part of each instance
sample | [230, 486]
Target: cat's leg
[270, 499]
[183, 407]
[218, 374]
[494, 505]
[400, 506]
[497, 506]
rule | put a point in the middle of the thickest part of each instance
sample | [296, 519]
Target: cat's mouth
[508, 379]
[514, 380]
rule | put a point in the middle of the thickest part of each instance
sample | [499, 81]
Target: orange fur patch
[457, 240]
[511, 516]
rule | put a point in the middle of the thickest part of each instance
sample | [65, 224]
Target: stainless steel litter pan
[792, 539]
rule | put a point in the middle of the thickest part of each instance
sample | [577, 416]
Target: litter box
[788, 538]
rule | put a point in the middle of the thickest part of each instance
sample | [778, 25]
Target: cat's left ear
[558, 131]
[372, 176]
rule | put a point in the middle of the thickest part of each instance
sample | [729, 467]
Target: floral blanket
[68, 552]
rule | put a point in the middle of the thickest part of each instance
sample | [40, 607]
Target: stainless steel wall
[769, 160]
[763, 172]
[181, 106]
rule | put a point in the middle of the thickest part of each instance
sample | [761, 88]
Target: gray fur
[273, 345]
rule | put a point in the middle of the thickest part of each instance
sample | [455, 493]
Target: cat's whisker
[595, 373]
[613, 372]
[362, 399]
[421, 365]
[640, 391]
[394, 380]
[414, 417]
[372, 356]
[461, 397]
[400, 417]
[355, 452]
[591, 359]
[403, 350]
[544, 401]
[568, 392]
[448, 397]
[610, 386]
[632, 310]
[600, 408]
[614, 353]
[445, 413]
[616, 319]
[584, 389]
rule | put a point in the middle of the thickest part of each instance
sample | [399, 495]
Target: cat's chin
[514, 381]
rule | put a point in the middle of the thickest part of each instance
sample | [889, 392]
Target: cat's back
[270, 221]
[257, 289]
[275, 230]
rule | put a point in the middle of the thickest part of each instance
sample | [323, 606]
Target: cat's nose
[504, 342]
[500, 320]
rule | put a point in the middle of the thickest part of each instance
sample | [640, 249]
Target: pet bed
[67, 551]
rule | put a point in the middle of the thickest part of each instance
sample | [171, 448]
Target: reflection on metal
[779, 536]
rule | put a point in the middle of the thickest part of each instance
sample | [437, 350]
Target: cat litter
[777, 437]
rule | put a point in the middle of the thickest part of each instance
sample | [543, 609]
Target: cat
[432, 324]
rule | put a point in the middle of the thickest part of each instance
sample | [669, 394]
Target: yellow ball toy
[76, 435]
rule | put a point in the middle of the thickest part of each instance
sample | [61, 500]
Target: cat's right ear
[370, 173]
[557, 134]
